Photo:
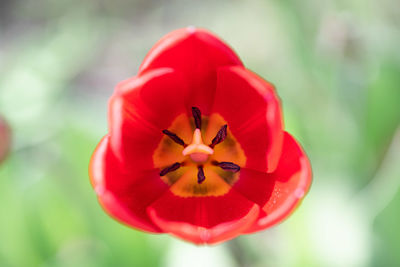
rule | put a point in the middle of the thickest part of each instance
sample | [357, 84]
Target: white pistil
[197, 150]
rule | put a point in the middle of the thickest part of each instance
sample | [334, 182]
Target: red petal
[293, 179]
[252, 110]
[204, 219]
[125, 196]
[139, 110]
[255, 185]
[196, 53]
[189, 49]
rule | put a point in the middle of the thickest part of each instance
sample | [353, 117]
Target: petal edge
[290, 188]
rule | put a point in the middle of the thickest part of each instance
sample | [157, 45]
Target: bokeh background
[336, 66]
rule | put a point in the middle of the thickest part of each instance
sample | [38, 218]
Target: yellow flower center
[208, 165]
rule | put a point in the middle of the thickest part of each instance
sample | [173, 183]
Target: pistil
[197, 150]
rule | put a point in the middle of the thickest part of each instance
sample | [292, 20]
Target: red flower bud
[5, 139]
[196, 146]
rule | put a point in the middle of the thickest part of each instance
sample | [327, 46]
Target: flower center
[198, 153]
[197, 150]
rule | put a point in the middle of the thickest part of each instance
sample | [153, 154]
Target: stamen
[221, 135]
[171, 168]
[174, 137]
[227, 166]
[197, 117]
[200, 174]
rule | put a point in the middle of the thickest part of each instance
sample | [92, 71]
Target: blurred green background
[336, 66]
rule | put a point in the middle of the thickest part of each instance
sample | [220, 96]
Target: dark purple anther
[171, 168]
[200, 175]
[227, 166]
[174, 137]
[221, 135]
[197, 117]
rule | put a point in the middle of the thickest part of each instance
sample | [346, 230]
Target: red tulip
[5, 139]
[196, 146]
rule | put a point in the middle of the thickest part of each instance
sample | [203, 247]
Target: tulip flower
[5, 139]
[196, 146]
